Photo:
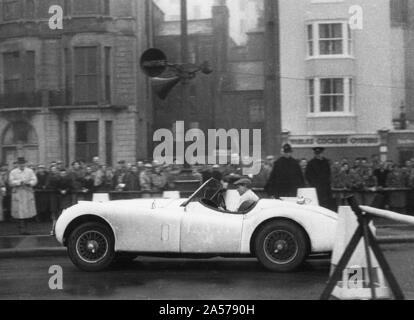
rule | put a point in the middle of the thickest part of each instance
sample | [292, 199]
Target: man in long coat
[22, 180]
[286, 177]
[318, 174]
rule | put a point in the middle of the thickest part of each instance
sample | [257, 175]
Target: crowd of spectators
[59, 186]
[362, 174]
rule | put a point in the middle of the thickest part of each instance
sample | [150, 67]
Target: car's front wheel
[91, 247]
[281, 246]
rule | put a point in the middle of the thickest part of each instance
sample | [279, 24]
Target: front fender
[319, 225]
[76, 212]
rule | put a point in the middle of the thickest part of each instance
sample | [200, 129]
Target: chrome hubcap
[280, 247]
[92, 246]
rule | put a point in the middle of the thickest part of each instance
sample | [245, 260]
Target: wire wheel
[92, 246]
[281, 245]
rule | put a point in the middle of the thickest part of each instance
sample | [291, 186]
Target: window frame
[107, 74]
[17, 76]
[30, 70]
[87, 143]
[348, 97]
[315, 41]
[96, 75]
[24, 71]
[20, 13]
[104, 75]
[257, 112]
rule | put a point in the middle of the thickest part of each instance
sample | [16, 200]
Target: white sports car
[281, 234]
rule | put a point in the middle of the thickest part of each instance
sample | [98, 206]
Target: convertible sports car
[281, 234]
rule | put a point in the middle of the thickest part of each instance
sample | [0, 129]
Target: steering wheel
[209, 203]
[221, 201]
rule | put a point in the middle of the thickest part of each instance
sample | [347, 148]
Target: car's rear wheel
[281, 246]
[91, 247]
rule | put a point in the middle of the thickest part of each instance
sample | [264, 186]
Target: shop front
[401, 146]
[337, 146]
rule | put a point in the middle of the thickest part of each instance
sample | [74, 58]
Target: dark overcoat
[285, 179]
[318, 174]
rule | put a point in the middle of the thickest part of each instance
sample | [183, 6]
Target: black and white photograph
[206, 155]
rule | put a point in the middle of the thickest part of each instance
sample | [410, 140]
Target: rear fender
[319, 228]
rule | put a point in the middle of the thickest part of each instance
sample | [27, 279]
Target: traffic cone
[355, 283]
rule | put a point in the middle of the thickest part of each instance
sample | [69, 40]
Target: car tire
[91, 247]
[281, 246]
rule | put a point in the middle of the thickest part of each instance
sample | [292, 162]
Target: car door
[149, 230]
[204, 230]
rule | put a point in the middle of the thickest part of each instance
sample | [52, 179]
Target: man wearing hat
[22, 180]
[318, 174]
[246, 194]
[286, 177]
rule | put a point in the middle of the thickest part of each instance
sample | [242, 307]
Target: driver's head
[243, 185]
[225, 182]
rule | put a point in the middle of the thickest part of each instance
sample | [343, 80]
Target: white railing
[388, 215]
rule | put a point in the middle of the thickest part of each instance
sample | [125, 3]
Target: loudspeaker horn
[163, 86]
[153, 62]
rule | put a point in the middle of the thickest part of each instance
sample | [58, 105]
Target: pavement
[40, 243]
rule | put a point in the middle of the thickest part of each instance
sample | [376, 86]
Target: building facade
[244, 17]
[232, 97]
[75, 93]
[341, 86]
[207, 41]
[244, 14]
[401, 137]
[242, 102]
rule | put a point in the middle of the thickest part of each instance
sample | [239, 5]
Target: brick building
[73, 93]
[230, 98]
[242, 91]
[243, 14]
[208, 41]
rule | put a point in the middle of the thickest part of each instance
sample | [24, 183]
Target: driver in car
[246, 194]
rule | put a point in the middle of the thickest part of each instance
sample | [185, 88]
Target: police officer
[318, 174]
[286, 177]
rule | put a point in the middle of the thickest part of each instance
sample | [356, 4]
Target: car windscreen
[207, 190]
